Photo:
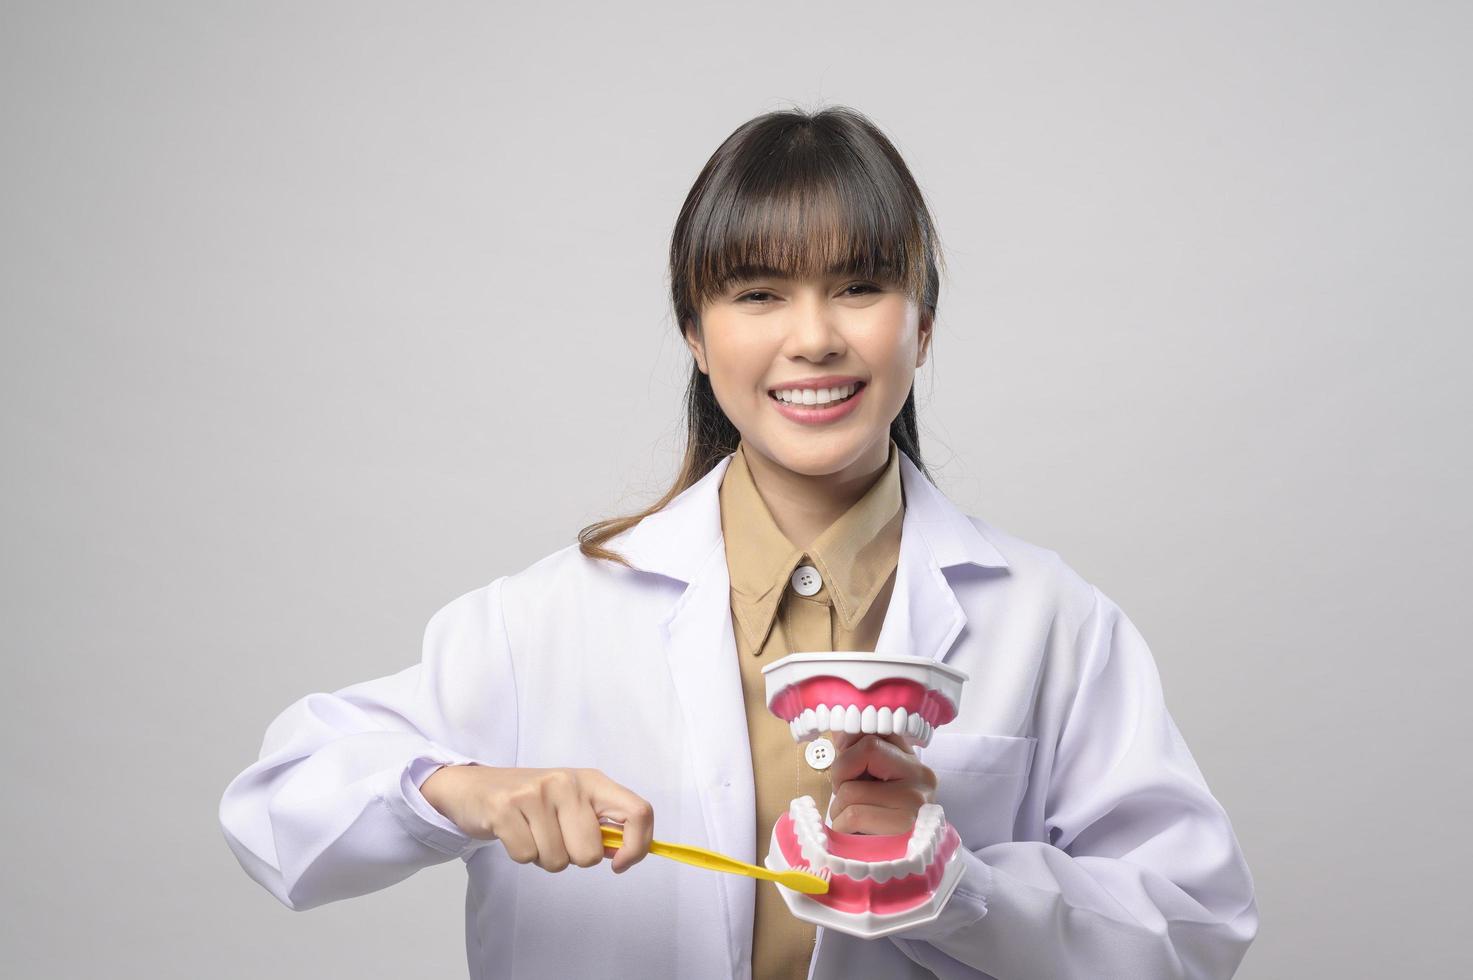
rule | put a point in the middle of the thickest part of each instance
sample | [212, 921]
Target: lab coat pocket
[980, 781]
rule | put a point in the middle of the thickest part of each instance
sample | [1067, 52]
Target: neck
[804, 505]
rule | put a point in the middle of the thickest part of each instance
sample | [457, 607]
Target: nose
[813, 329]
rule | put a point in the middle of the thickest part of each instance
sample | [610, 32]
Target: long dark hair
[805, 194]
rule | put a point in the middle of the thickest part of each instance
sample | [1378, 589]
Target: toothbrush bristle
[824, 874]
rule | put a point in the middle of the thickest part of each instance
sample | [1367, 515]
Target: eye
[760, 295]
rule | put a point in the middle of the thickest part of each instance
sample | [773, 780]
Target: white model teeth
[815, 396]
[927, 835]
[920, 850]
[853, 719]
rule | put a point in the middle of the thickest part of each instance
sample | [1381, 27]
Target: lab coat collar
[855, 555]
[675, 541]
[683, 542]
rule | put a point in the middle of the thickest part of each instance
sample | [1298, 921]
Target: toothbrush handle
[702, 858]
[688, 854]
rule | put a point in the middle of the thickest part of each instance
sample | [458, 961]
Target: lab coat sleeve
[332, 808]
[1142, 876]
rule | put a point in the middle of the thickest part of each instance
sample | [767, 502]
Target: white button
[820, 753]
[806, 580]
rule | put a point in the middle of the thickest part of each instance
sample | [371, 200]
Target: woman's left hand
[879, 784]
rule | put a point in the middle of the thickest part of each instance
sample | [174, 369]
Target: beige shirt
[856, 558]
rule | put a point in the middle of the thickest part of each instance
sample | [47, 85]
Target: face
[769, 332]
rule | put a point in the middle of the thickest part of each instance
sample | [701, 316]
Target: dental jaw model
[879, 883]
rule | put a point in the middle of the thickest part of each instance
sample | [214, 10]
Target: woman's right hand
[550, 816]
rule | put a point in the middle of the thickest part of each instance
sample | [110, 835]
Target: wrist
[437, 786]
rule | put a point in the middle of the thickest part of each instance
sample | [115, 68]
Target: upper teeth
[815, 396]
[854, 719]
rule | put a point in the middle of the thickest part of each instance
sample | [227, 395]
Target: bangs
[803, 225]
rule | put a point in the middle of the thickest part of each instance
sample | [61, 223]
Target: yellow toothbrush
[806, 882]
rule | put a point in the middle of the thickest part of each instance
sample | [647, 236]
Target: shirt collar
[855, 554]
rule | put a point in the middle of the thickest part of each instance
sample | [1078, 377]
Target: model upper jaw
[860, 692]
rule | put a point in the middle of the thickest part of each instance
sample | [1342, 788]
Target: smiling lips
[819, 413]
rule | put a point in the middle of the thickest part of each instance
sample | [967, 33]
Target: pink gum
[910, 695]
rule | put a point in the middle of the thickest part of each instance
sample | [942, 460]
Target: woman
[621, 678]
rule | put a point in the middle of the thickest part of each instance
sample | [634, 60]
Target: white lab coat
[1093, 846]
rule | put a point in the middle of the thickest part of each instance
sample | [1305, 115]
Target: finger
[864, 818]
[898, 794]
[581, 835]
[516, 837]
[848, 761]
[552, 854]
[887, 760]
[900, 742]
[619, 803]
[875, 755]
[843, 740]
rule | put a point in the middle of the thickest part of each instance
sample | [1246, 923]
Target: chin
[818, 453]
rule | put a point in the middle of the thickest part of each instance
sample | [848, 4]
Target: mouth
[827, 412]
[859, 692]
[799, 396]
[878, 874]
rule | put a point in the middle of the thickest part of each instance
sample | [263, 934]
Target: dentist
[620, 676]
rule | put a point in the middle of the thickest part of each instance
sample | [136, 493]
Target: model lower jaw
[875, 873]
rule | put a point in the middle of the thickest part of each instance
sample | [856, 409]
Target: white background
[316, 316]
